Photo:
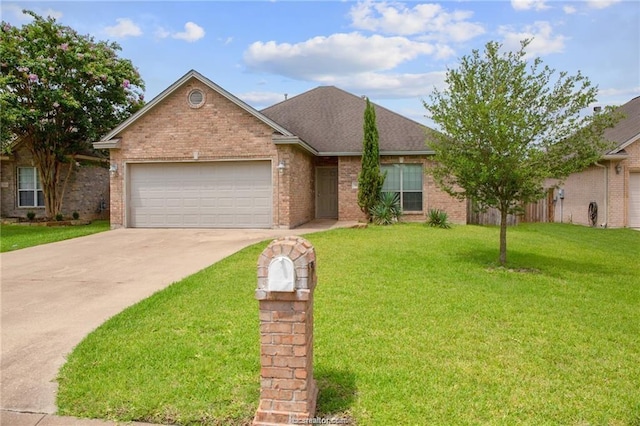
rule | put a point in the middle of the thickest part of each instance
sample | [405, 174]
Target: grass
[15, 237]
[413, 325]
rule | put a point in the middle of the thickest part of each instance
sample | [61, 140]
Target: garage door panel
[634, 200]
[223, 194]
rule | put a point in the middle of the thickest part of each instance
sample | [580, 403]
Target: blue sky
[393, 52]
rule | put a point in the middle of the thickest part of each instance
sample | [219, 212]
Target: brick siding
[432, 197]
[88, 186]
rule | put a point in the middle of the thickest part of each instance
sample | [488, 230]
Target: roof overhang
[382, 153]
[293, 140]
[618, 156]
[107, 144]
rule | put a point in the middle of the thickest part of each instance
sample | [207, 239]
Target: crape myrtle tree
[507, 124]
[370, 180]
[59, 91]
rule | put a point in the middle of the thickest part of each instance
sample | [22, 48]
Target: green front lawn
[14, 237]
[413, 325]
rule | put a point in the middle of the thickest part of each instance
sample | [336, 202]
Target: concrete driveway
[54, 295]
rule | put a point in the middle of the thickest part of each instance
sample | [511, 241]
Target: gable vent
[196, 98]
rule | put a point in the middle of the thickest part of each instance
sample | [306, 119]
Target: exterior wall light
[281, 165]
[618, 168]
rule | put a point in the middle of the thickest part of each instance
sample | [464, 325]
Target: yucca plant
[387, 210]
[438, 219]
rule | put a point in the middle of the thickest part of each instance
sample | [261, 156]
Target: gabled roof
[168, 91]
[331, 121]
[627, 130]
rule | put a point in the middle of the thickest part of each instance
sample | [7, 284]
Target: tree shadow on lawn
[336, 392]
[536, 263]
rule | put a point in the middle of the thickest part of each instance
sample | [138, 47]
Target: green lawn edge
[413, 325]
[16, 237]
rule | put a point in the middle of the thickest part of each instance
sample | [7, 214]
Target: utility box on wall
[286, 282]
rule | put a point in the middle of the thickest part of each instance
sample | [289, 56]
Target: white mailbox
[282, 275]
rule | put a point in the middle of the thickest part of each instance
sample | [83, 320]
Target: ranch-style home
[611, 185]
[86, 185]
[197, 156]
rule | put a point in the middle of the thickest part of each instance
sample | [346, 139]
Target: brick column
[288, 390]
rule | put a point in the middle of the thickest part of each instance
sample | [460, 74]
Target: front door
[327, 192]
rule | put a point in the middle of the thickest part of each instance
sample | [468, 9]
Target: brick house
[613, 183]
[87, 191]
[197, 156]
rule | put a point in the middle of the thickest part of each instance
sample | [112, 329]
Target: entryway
[327, 192]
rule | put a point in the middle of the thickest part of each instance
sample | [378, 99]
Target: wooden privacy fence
[541, 211]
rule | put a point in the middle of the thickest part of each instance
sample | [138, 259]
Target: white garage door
[634, 200]
[200, 195]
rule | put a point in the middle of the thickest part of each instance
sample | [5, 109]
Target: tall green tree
[59, 91]
[507, 124]
[370, 179]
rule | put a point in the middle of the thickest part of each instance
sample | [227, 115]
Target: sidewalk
[12, 418]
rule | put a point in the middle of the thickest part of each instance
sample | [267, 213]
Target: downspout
[606, 192]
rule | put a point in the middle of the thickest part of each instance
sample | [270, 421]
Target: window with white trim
[406, 181]
[29, 188]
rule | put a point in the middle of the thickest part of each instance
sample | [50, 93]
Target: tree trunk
[503, 236]
[49, 168]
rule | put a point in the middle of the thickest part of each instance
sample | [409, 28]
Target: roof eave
[382, 153]
[615, 156]
[626, 143]
[107, 144]
[293, 140]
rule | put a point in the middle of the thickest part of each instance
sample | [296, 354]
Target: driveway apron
[55, 294]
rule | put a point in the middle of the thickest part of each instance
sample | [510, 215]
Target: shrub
[59, 217]
[387, 210]
[438, 219]
[75, 215]
[31, 215]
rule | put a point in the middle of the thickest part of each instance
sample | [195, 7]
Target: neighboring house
[197, 156]
[613, 183]
[87, 191]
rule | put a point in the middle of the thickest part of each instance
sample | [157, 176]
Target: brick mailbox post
[286, 281]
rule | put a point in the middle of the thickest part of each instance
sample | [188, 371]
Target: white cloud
[429, 20]
[544, 41]
[262, 98]
[55, 14]
[569, 10]
[529, 5]
[16, 11]
[389, 86]
[162, 33]
[337, 54]
[192, 32]
[601, 4]
[125, 27]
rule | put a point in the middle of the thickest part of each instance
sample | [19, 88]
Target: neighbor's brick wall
[297, 187]
[630, 165]
[432, 197]
[88, 185]
[617, 206]
[579, 190]
[172, 131]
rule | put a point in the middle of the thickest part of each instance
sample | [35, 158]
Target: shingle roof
[627, 130]
[331, 120]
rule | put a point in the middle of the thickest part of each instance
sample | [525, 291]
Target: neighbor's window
[29, 188]
[405, 180]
